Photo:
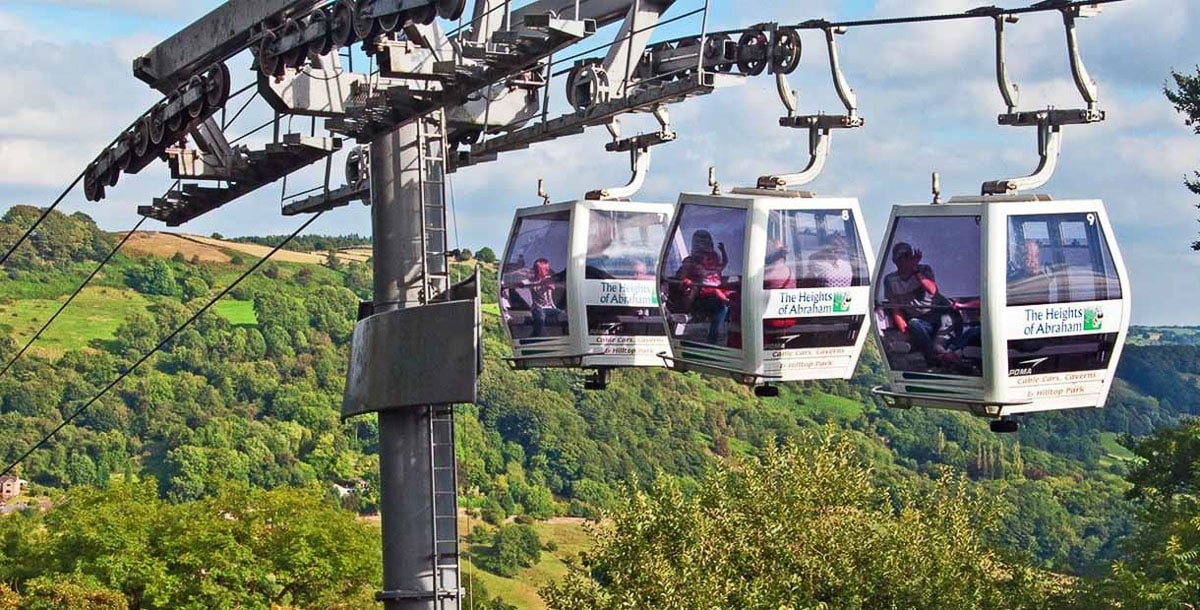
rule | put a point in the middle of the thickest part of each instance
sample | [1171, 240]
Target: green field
[239, 313]
[1114, 449]
[94, 315]
[571, 538]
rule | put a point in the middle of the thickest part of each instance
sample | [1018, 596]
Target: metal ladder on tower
[444, 479]
[435, 267]
[431, 134]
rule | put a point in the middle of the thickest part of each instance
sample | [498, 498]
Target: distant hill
[208, 249]
[1164, 335]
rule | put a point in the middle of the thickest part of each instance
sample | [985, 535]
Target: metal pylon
[431, 134]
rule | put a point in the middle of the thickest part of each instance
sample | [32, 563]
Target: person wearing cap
[915, 306]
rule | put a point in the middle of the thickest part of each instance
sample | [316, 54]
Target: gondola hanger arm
[1010, 91]
[820, 126]
[639, 155]
[1049, 122]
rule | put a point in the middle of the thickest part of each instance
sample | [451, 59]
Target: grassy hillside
[93, 316]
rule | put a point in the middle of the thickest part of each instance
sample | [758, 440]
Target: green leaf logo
[841, 303]
[1093, 318]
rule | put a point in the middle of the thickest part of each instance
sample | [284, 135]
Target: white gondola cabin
[1001, 305]
[766, 286]
[577, 286]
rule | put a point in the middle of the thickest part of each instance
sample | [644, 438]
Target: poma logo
[1025, 367]
[841, 302]
[1093, 318]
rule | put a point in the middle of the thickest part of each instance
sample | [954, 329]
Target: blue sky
[927, 92]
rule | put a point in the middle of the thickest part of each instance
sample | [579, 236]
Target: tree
[126, 548]
[1186, 98]
[153, 277]
[486, 255]
[513, 546]
[805, 526]
[463, 255]
[1161, 567]
[193, 287]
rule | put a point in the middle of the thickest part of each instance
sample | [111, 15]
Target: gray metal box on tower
[414, 357]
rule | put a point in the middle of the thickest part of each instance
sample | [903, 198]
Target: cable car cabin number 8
[764, 287]
[1001, 307]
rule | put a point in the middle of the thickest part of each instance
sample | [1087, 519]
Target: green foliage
[9, 600]
[1186, 98]
[241, 548]
[58, 240]
[71, 593]
[154, 276]
[513, 546]
[250, 395]
[1161, 568]
[804, 526]
[486, 255]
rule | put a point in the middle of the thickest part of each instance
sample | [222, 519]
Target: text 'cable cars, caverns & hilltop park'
[1005, 303]
[768, 284]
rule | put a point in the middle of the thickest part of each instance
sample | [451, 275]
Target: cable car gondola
[768, 284]
[766, 287]
[1001, 305]
[577, 287]
[1005, 304]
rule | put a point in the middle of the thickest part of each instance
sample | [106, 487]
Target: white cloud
[157, 8]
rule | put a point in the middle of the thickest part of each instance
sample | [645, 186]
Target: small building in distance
[11, 487]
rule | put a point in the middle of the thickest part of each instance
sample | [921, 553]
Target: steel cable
[160, 345]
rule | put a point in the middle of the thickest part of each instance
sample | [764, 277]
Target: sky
[927, 92]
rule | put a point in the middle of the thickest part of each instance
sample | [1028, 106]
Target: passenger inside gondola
[1027, 275]
[926, 326]
[811, 249]
[533, 279]
[622, 247]
[700, 278]
[1059, 259]
[702, 274]
[830, 267]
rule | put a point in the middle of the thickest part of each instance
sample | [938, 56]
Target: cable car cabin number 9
[1001, 306]
[577, 286]
[769, 286]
